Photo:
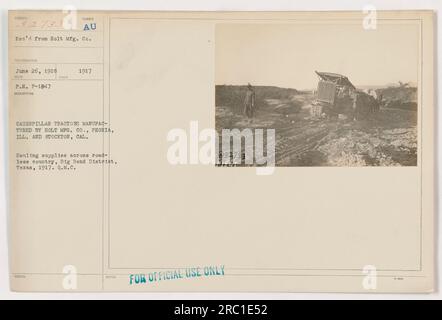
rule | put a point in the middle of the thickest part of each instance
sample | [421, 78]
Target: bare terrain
[386, 138]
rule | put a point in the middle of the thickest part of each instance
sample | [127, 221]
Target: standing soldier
[355, 106]
[249, 102]
[379, 101]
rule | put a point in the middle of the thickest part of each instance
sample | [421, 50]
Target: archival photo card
[335, 95]
[221, 151]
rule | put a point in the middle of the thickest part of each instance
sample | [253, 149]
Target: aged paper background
[272, 233]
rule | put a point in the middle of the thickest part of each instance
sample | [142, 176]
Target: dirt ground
[386, 138]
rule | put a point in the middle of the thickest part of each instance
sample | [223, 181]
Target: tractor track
[302, 141]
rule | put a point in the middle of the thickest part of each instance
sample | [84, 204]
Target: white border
[201, 5]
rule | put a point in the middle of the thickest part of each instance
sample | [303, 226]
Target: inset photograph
[336, 95]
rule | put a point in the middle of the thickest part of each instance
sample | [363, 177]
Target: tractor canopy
[336, 78]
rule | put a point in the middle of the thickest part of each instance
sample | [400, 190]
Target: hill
[401, 97]
[233, 96]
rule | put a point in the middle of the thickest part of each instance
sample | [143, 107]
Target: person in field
[249, 102]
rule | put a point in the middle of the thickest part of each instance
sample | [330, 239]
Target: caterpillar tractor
[336, 96]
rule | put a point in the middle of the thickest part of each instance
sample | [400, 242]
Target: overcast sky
[287, 55]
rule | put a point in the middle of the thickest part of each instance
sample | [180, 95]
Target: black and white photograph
[337, 96]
